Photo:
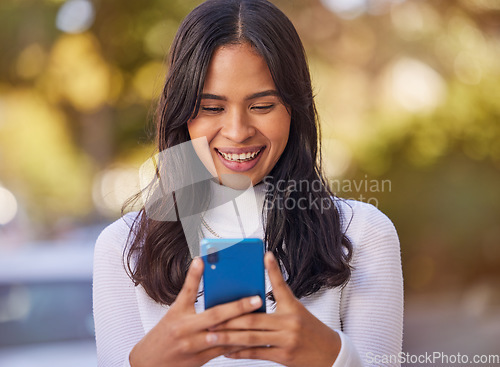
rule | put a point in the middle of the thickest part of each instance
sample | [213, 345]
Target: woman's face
[241, 115]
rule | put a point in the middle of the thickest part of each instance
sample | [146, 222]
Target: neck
[235, 213]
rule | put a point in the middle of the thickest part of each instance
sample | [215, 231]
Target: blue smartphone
[234, 269]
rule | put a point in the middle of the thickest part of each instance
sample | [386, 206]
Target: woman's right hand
[182, 337]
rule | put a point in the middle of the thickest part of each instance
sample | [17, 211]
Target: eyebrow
[266, 93]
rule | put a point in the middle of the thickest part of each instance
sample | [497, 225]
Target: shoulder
[352, 211]
[364, 223]
[115, 236]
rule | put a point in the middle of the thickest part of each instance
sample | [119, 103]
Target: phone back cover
[238, 273]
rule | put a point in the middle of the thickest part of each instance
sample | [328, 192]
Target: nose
[237, 127]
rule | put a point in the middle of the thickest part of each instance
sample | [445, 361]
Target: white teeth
[239, 157]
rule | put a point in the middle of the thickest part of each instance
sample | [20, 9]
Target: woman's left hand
[291, 336]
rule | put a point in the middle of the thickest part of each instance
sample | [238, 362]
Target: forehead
[237, 68]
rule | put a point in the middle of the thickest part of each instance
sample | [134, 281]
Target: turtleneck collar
[235, 213]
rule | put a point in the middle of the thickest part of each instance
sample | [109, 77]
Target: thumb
[281, 290]
[189, 292]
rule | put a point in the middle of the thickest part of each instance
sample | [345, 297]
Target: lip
[240, 166]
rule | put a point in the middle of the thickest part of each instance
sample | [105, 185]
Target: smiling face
[241, 115]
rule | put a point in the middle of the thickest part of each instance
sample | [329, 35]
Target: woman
[238, 77]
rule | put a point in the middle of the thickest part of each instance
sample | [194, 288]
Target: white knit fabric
[367, 313]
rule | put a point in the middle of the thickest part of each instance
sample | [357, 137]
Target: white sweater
[367, 313]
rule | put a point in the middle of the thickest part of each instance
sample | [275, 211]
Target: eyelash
[264, 108]
[211, 109]
[220, 109]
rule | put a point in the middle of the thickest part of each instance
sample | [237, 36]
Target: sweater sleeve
[116, 315]
[371, 308]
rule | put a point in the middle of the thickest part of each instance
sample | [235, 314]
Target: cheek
[193, 129]
[198, 129]
[201, 144]
[279, 134]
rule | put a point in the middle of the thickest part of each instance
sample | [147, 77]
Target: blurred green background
[409, 100]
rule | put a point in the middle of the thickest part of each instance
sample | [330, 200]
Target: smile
[242, 157]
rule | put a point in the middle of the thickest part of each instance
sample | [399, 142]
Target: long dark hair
[308, 243]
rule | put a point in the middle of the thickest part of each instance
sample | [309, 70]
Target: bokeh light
[112, 187]
[350, 9]
[8, 206]
[148, 80]
[347, 8]
[75, 16]
[31, 61]
[416, 86]
[339, 157]
[78, 73]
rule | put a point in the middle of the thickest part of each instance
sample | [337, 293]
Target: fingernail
[211, 338]
[255, 301]
[196, 262]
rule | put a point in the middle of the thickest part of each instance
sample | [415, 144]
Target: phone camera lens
[212, 256]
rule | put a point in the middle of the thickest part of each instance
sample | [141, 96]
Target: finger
[211, 353]
[273, 354]
[253, 321]
[246, 338]
[205, 340]
[189, 292]
[281, 290]
[221, 313]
